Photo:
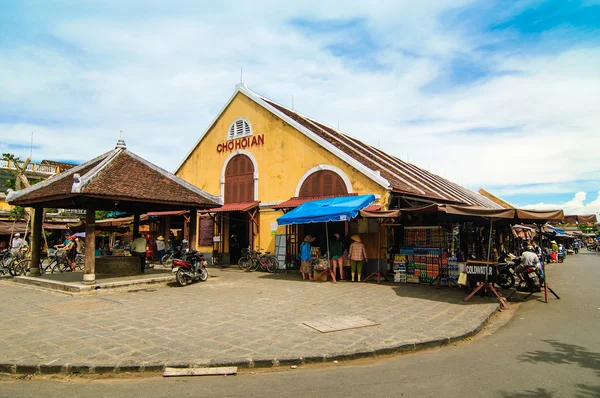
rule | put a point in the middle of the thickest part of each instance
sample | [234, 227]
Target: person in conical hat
[160, 247]
[305, 256]
[309, 238]
[357, 255]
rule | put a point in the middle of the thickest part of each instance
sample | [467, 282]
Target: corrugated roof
[403, 177]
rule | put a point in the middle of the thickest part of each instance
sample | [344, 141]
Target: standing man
[160, 247]
[16, 244]
[538, 251]
[138, 249]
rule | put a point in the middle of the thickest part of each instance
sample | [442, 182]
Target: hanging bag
[462, 278]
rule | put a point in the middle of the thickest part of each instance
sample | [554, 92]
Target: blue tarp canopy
[332, 209]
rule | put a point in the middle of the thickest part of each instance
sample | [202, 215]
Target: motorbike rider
[531, 259]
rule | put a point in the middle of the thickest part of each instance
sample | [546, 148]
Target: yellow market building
[262, 158]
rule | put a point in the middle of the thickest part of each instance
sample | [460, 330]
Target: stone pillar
[89, 274]
[36, 240]
[193, 229]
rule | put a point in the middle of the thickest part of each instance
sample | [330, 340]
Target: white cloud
[163, 77]
[575, 206]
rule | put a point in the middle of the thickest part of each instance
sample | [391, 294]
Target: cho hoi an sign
[476, 271]
[241, 143]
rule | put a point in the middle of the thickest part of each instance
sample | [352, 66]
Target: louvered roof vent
[239, 128]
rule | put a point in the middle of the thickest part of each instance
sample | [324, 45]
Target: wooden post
[193, 229]
[166, 228]
[36, 240]
[136, 225]
[89, 275]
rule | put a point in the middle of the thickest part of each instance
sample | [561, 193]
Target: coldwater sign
[476, 271]
[241, 143]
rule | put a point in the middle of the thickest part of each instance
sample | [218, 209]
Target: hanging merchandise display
[399, 268]
[425, 255]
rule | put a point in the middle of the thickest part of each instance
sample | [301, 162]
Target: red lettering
[261, 139]
[220, 148]
[254, 141]
[238, 144]
[230, 146]
[244, 142]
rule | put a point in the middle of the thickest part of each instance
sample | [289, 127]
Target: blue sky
[493, 94]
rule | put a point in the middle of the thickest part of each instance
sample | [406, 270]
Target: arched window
[239, 180]
[323, 183]
[239, 128]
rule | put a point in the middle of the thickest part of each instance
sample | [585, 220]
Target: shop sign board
[241, 143]
[476, 271]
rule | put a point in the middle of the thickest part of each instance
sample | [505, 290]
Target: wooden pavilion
[118, 180]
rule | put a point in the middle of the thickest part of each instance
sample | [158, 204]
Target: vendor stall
[339, 209]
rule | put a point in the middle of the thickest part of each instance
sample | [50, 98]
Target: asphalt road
[543, 350]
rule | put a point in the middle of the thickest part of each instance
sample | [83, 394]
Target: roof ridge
[91, 175]
[450, 187]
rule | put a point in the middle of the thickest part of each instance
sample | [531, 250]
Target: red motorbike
[190, 268]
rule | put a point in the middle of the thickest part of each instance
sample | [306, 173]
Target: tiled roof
[372, 208]
[119, 175]
[167, 213]
[297, 201]
[403, 177]
[242, 206]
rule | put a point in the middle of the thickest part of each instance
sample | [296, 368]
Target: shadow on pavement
[537, 393]
[452, 295]
[77, 276]
[565, 354]
[585, 391]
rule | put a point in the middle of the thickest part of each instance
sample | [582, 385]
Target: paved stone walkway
[246, 319]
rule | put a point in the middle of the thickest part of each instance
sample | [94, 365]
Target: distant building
[35, 171]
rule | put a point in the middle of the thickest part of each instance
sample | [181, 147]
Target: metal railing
[32, 167]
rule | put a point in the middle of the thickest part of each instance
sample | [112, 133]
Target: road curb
[249, 363]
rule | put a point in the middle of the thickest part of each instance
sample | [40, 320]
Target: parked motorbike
[190, 268]
[562, 254]
[507, 276]
[531, 275]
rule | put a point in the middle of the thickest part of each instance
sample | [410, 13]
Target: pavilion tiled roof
[119, 175]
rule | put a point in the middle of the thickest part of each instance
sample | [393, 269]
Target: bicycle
[60, 264]
[80, 261]
[23, 267]
[265, 261]
[9, 262]
[245, 261]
